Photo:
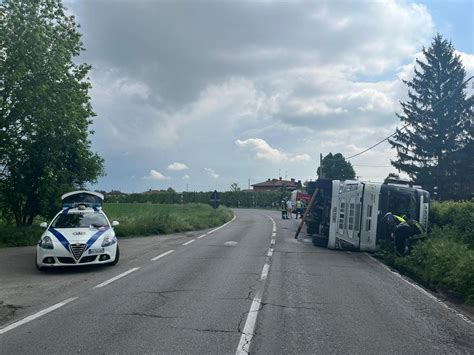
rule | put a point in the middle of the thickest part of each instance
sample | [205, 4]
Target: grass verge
[136, 219]
[444, 261]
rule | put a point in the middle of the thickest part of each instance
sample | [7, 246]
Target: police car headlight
[108, 241]
[46, 243]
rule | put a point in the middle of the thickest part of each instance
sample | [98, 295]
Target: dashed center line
[265, 270]
[116, 277]
[187, 243]
[36, 315]
[201, 236]
[161, 255]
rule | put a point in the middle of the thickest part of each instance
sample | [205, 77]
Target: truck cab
[348, 215]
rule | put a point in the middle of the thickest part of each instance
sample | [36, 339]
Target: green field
[136, 219]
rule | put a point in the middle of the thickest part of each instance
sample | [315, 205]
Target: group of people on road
[288, 208]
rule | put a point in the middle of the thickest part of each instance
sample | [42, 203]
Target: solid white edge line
[36, 315]
[247, 334]
[423, 291]
[232, 220]
[105, 283]
[201, 236]
[272, 241]
[265, 270]
[192, 240]
[161, 255]
[270, 252]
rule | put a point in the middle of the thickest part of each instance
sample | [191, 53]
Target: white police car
[80, 234]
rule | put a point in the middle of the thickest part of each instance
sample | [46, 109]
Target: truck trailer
[349, 215]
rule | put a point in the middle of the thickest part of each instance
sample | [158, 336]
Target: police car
[80, 234]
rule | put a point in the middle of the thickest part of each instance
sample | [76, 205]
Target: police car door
[348, 216]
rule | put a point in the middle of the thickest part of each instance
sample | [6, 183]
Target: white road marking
[162, 255]
[423, 291]
[231, 243]
[247, 333]
[105, 283]
[202, 236]
[192, 240]
[36, 315]
[265, 270]
[273, 234]
[232, 220]
[249, 328]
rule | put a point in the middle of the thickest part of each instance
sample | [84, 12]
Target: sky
[197, 95]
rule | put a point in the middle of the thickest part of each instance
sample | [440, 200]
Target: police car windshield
[80, 220]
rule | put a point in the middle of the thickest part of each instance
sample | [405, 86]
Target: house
[277, 185]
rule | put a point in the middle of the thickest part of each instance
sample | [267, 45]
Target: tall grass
[150, 219]
[136, 219]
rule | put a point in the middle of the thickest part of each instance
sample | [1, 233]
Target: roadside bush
[442, 261]
[13, 236]
[445, 259]
[458, 215]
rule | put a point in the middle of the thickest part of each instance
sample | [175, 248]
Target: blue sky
[244, 90]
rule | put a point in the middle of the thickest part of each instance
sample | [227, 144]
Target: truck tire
[320, 241]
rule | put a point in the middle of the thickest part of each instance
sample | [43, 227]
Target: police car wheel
[39, 268]
[117, 257]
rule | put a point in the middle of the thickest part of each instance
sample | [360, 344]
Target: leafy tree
[335, 167]
[44, 107]
[436, 147]
[234, 187]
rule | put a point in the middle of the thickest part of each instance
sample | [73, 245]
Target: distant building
[277, 185]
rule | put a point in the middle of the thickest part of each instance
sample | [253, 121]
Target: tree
[45, 109]
[335, 167]
[436, 147]
[234, 187]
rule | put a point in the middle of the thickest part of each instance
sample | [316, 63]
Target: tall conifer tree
[436, 147]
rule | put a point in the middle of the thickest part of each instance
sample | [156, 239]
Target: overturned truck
[349, 214]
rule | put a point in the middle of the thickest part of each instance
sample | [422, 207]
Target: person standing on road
[299, 209]
[284, 214]
[289, 208]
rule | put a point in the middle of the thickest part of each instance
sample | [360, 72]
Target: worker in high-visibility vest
[391, 221]
[405, 235]
[299, 209]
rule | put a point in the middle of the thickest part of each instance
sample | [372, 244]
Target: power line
[405, 126]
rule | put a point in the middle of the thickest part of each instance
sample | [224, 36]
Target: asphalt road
[247, 287]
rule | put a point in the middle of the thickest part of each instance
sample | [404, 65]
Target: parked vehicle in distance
[80, 234]
[349, 214]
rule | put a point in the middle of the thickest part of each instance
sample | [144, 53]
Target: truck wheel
[320, 241]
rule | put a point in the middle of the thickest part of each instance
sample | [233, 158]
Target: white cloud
[186, 177]
[177, 166]
[212, 173]
[155, 175]
[264, 151]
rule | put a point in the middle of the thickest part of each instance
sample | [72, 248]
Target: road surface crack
[139, 314]
[263, 304]
[206, 330]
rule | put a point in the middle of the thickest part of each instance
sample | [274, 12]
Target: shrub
[442, 261]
